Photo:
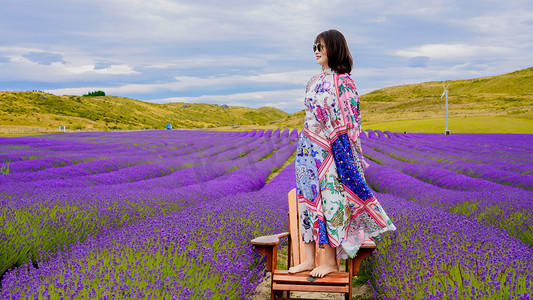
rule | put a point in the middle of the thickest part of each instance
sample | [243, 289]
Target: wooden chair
[283, 282]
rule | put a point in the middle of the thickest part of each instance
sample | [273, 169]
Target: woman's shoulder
[346, 80]
[313, 78]
[311, 81]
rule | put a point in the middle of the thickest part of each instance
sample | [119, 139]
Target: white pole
[446, 130]
[445, 93]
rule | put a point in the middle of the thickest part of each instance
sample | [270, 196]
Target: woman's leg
[309, 262]
[329, 265]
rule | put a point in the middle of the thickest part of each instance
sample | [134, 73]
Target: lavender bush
[40, 214]
[430, 182]
[437, 255]
[169, 214]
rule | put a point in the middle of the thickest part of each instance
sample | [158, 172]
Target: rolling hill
[110, 112]
[502, 103]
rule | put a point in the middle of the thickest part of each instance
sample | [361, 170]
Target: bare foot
[324, 269]
[305, 266]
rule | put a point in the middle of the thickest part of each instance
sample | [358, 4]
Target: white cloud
[183, 83]
[290, 100]
[149, 47]
[452, 51]
[73, 65]
[506, 22]
[111, 70]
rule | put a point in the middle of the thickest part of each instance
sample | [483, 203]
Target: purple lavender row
[38, 164]
[509, 148]
[485, 148]
[464, 150]
[179, 238]
[134, 172]
[91, 167]
[441, 177]
[163, 168]
[278, 133]
[215, 168]
[86, 209]
[371, 134]
[77, 170]
[512, 212]
[255, 133]
[34, 191]
[27, 147]
[438, 255]
[76, 142]
[482, 171]
[504, 144]
[32, 161]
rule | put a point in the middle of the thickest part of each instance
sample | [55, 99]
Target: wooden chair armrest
[369, 244]
[268, 247]
[365, 251]
[269, 240]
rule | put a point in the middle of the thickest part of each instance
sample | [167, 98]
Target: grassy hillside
[459, 124]
[508, 95]
[472, 104]
[502, 103]
[109, 112]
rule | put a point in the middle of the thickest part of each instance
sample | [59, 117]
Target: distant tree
[94, 94]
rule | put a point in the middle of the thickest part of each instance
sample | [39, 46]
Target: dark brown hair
[339, 57]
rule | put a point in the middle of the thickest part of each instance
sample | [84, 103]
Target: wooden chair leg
[349, 269]
[289, 252]
[277, 294]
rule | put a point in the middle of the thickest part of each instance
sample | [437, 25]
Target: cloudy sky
[251, 53]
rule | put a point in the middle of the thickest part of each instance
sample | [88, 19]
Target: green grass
[506, 95]
[47, 111]
[4, 170]
[417, 107]
[518, 224]
[458, 125]
[268, 155]
[274, 172]
[2, 134]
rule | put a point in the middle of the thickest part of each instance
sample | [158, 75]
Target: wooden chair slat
[269, 239]
[337, 278]
[306, 274]
[310, 288]
[294, 227]
[368, 244]
[294, 298]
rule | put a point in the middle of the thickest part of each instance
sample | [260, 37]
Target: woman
[337, 208]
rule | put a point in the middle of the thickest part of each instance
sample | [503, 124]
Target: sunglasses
[318, 47]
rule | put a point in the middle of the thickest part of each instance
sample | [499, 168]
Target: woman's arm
[350, 109]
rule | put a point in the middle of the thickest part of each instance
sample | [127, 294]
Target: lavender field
[463, 206]
[169, 214]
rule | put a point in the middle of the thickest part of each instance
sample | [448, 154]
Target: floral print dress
[336, 205]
